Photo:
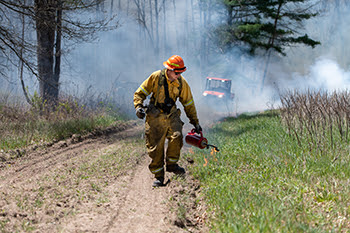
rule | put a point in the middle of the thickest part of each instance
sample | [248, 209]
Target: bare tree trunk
[57, 68]
[101, 6]
[144, 31]
[137, 3]
[176, 28]
[21, 62]
[185, 41]
[203, 46]
[265, 70]
[111, 9]
[156, 52]
[151, 16]
[45, 30]
[271, 43]
[141, 17]
[127, 8]
[164, 30]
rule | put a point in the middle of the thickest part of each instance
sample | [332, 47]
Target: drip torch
[198, 140]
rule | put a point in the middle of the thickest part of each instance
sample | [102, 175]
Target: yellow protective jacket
[177, 89]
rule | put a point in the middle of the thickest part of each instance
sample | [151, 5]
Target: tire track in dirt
[34, 198]
[56, 155]
[38, 164]
[145, 208]
[137, 207]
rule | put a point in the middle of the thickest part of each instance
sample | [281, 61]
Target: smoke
[326, 74]
[118, 62]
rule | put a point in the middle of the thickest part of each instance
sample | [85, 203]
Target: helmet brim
[180, 70]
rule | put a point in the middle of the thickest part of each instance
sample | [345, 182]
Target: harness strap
[166, 90]
[160, 83]
[168, 102]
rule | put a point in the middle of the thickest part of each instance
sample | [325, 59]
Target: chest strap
[168, 102]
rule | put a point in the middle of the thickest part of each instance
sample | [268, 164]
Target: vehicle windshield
[218, 85]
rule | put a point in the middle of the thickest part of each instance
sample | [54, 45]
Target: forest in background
[146, 32]
[290, 174]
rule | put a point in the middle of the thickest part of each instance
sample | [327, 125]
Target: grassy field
[276, 171]
[22, 126]
[262, 180]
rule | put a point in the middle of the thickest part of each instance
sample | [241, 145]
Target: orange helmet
[175, 63]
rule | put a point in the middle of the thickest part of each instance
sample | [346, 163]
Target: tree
[52, 19]
[265, 26]
[45, 12]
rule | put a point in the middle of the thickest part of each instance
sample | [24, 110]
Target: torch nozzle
[215, 148]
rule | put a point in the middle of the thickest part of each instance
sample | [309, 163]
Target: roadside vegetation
[280, 171]
[284, 170]
[22, 125]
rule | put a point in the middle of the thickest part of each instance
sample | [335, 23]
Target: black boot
[175, 169]
[158, 182]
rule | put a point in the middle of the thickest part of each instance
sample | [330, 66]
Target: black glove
[140, 113]
[197, 128]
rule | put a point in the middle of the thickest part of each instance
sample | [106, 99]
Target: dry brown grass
[320, 117]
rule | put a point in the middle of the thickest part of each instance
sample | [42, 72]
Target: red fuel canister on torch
[196, 140]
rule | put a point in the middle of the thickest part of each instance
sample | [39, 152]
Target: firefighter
[163, 117]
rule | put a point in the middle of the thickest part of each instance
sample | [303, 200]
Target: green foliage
[263, 181]
[302, 40]
[261, 24]
[37, 102]
[20, 127]
[63, 129]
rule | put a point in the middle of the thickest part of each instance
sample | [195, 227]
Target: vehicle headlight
[220, 96]
[205, 94]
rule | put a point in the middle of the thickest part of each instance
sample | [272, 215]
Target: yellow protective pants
[157, 129]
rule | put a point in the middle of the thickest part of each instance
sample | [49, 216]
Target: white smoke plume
[120, 60]
[328, 75]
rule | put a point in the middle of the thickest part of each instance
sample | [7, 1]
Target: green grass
[262, 181]
[22, 124]
[21, 133]
[64, 129]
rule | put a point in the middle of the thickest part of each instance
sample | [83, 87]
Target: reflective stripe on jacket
[150, 86]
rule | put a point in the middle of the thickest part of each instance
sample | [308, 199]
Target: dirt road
[95, 183]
